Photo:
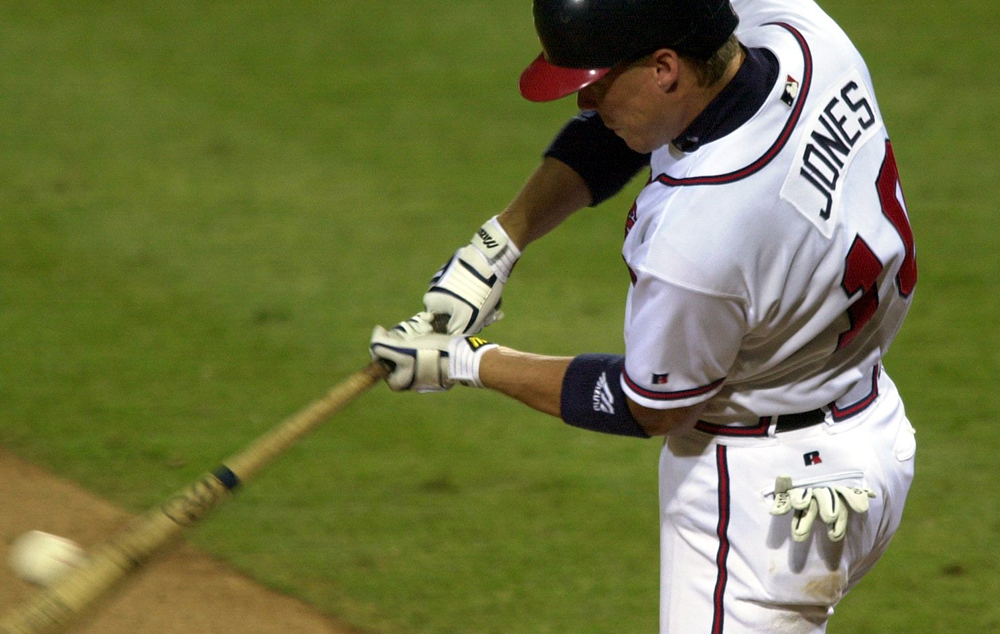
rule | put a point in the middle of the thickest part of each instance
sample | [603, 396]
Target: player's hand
[832, 504]
[422, 323]
[428, 362]
[418, 362]
[467, 288]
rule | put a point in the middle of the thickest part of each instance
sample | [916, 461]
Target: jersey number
[862, 266]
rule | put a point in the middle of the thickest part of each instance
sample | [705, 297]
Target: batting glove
[468, 286]
[416, 326]
[831, 503]
[428, 362]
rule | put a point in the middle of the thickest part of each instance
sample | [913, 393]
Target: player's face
[621, 99]
[639, 102]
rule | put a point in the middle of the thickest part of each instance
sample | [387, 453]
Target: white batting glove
[468, 286]
[831, 503]
[418, 363]
[420, 324]
[429, 362]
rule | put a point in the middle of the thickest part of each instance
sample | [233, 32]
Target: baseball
[42, 558]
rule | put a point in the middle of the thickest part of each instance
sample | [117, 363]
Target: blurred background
[206, 206]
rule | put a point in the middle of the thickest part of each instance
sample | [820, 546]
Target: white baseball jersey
[772, 267]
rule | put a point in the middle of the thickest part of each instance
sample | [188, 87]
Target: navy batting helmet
[583, 39]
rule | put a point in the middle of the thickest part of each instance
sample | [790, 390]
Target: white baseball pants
[729, 567]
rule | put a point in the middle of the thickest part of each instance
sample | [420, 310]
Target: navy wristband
[592, 396]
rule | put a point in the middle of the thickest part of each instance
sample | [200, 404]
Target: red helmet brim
[542, 81]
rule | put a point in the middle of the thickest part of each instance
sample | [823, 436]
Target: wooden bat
[108, 564]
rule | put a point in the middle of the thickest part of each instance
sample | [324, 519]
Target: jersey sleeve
[679, 344]
[597, 154]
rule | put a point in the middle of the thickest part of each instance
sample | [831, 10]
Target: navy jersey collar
[735, 104]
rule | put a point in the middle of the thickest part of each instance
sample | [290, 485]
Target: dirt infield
[185, 592]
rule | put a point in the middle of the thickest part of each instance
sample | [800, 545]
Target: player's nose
[586, 99]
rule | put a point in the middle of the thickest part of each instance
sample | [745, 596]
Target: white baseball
[42, 558]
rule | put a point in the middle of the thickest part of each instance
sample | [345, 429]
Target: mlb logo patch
[660, 379]
[812, 458]
[791, 91]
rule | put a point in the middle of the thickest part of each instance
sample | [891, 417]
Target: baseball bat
[108, 564]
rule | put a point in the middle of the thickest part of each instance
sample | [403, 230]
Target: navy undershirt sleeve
[597, 154]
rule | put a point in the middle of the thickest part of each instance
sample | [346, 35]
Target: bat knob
[440, 323]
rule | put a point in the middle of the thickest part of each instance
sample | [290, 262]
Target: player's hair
[712, 69]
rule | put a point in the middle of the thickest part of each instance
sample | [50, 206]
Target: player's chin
[636, 143]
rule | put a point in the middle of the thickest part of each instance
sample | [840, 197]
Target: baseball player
[770, 264]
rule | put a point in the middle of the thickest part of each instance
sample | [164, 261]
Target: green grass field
[207, 205]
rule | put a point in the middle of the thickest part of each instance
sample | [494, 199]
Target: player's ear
[666, 65]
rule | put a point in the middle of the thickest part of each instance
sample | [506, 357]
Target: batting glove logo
[476, 342]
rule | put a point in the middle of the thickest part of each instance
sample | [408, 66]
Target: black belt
[788, 422]
[791, 422]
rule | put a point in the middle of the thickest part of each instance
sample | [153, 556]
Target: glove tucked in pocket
[832, 503]
[803, 567]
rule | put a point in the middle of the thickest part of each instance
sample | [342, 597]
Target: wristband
[500, 251]
[592, 397]
[464, 356]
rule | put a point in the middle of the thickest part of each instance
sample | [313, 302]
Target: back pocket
[813, 572]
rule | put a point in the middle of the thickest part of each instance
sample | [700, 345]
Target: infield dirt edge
[184, 592]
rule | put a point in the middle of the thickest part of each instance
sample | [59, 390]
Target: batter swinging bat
[57, 607]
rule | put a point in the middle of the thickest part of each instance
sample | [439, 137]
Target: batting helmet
[583, 39]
